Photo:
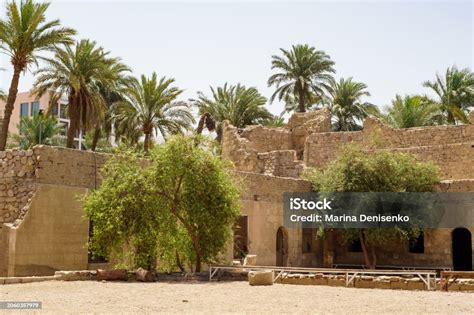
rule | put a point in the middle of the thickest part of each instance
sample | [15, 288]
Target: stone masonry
[271, 159]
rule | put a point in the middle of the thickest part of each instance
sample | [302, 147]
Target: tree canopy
[177, 205]
[356, 170]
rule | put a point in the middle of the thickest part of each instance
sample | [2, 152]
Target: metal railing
[427, 276]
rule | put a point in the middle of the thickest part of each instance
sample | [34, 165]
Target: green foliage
[346, 106]
[412, 111]
[149, 107]
[79, 71]
[102, 145]
[180, 202]
[455, 94]
[24, 33]
[37, 130]
[240, 105]
[275, 121]
[304, 75]
[356, 170]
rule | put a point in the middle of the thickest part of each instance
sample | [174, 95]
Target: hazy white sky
[391, 46]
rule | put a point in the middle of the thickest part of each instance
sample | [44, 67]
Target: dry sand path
[230, 297]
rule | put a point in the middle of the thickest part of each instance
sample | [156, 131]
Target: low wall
[43, 222]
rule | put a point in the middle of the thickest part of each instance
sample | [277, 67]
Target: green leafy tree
[149, 107]
[356, 170]
[240, 105]
[455, 94]
[25, 32]
[124, 213]
[304, 74]
[346, 106]
[412, 111]
[178, 206]
[37, 130]
[77, 71]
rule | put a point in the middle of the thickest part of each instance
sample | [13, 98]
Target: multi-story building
[26, 105]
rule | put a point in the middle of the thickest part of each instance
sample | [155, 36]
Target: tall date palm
[455, 94]
[240, 105]
[77, 71]
[346, 105]
[304, 72]
[150, 108]
[24, 33]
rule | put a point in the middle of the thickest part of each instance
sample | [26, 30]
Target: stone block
[364, 283]
[464, 286]
[415, 284]
[336, 282]
[381, 284]
[261, 277]
[250, 260]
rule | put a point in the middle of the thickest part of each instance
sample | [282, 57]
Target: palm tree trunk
[73, 122]
[146, 143]
[200, 126]
[301, 100]
[13, 91]
[96, 138]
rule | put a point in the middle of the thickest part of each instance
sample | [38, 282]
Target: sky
[393, 47]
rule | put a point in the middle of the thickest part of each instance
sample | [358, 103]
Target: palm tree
[345, 104]
[303, 70]
[111, 93]
[37, 130]
[412, 111]
[149, 107]
[275, 121]
[455, 92]
[78, 71]
[23, 34]
[240, 105]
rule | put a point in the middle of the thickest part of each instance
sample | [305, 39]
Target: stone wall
[43, 227]
[17, 183]
[450, 147]
[270, 150]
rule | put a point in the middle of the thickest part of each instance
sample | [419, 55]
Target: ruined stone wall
[450, 147]
[270, 150]
[43, 227]
[262, 203]
[17, 183]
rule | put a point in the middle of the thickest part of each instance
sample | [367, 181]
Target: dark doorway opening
[241, 238]
[282, 247]
[462, 249]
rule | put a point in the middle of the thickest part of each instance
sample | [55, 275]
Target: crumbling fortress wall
[280, 154]
[43, 228]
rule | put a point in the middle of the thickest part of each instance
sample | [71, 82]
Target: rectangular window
[307, 240]
[355, 246]
[241, 237]
[35, 107]
[417, 245]
[55, 110]
[24, 109]
[63, 111]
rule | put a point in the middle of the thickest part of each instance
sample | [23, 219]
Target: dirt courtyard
[229, 297]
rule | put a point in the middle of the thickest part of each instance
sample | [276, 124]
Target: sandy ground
[230, 297]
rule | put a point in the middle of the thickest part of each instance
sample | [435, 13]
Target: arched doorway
[282, 247]
[462, 249]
